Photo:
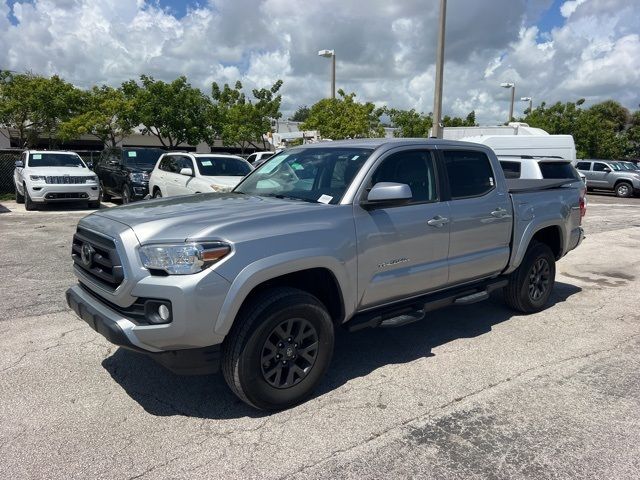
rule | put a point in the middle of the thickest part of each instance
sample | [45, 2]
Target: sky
[554, 50]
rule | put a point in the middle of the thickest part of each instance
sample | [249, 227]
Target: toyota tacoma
[353, 234]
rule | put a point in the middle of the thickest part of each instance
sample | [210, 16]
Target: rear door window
[469, 173]
[586, 166]
[558, 170]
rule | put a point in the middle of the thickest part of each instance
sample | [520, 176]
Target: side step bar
[409, 311]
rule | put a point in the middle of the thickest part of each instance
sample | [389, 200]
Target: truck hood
[224, 216]
[56, 171]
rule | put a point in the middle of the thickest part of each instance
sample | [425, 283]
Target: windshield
[55, 160]
[310, 174]
[222, 166]
[142, 158]
[627, 166]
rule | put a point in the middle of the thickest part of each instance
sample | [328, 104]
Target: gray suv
[610, 175]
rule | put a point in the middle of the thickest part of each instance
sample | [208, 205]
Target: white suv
[182, 173]
[43, 176]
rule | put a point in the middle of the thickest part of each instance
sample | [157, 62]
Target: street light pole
[512, 86]
[437, 95]
[530, 100]
[331, 54]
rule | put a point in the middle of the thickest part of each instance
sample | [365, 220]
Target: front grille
[101, 261]
[65, 179]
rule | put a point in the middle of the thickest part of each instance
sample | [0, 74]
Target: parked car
[181, 173]
[609, 175]
[362, 233]
[258, 158]
[43, 176]
[124, 172]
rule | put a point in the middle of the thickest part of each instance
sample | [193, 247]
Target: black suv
[124, 172]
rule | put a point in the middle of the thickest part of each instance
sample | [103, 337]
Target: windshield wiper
[288, 197]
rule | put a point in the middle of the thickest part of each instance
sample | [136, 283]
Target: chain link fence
[7, 165]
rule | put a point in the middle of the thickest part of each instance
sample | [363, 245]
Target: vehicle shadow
[4, 209]
[163, 393]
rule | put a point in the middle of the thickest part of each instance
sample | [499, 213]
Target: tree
[174, 113]
[409, 123]
[301, 114]
[240, 121]
[106, 113]
[35, 106]
[343, 117]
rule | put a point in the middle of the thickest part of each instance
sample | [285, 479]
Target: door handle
[438, 221]
[500, 213]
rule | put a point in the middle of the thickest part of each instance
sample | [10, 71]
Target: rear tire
[278, 349]
[19, 196]
[531, 284]
[624, 190]
[28, 204]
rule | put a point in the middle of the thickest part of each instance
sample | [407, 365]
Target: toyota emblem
[86, 254]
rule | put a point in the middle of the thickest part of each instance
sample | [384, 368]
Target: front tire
[157, 193]
[278, 349]
[104, 196]
[126, 195]
[94, 205]
[19, 196]
[28, 203]
[624, 190]
[530, 285]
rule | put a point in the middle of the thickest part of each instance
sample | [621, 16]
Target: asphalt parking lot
[470, 392]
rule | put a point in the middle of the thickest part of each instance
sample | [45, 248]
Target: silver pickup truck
[354, 234]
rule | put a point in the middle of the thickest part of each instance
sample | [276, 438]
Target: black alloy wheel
[289, 353]
[539, 279]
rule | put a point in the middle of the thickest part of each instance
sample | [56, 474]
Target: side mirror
[89, 164]
[186, 171]
[389, 193]
[19, 164]
[606, 169]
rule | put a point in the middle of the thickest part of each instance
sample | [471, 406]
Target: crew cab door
[402, 249]
[481, 215]
[599, 177]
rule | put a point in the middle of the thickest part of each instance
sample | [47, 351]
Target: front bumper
[42, 193]
[118, 330]
[139, 190]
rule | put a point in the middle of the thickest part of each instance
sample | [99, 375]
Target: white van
[558, 146]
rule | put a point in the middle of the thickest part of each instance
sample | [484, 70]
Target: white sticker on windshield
[491, 181]
[325, 199]
[132, 154]
[206, 163]
[37, 156]
[355, 157]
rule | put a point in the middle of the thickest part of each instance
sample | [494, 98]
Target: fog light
[157, 311]
[164, 313]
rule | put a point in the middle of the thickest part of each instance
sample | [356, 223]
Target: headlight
[139, 177]
[37, 178]
[184, 258]
[220, 188]
[92, 179]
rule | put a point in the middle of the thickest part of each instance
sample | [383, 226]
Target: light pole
[530, 100]
[437, 94]
[512, 86]
[331, 54]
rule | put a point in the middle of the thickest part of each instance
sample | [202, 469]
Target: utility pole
[436, 131]
[331, 54]
[512, 86]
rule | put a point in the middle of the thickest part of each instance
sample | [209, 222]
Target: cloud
[385, 50]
